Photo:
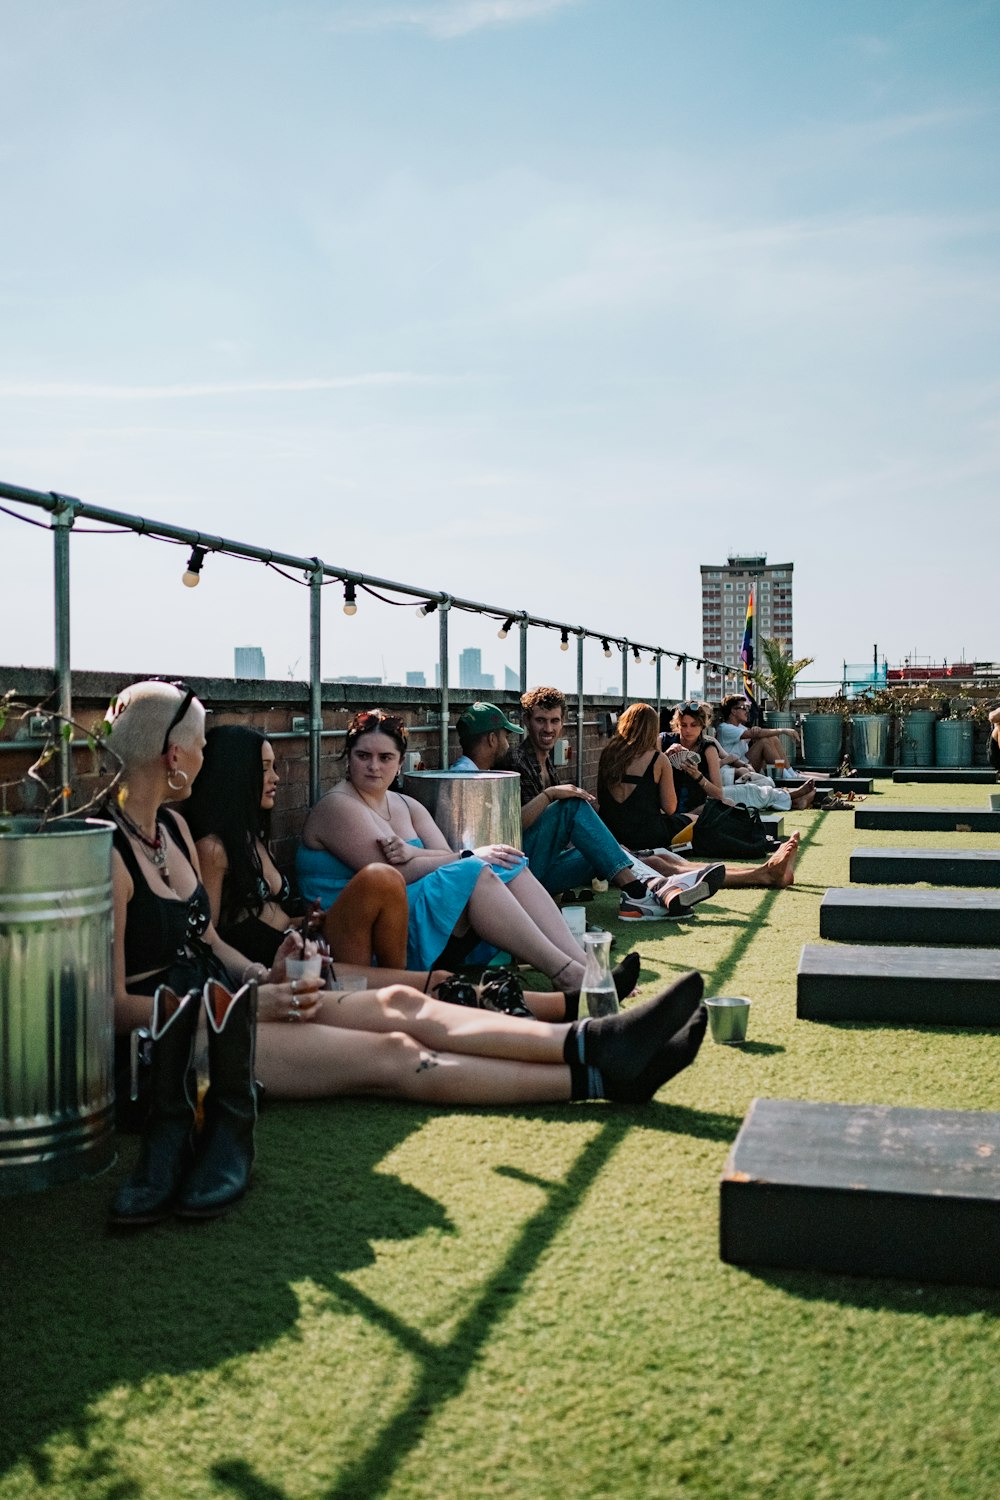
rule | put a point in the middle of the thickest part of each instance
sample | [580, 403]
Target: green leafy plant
[776, 678]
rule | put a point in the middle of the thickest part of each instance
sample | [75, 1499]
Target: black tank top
[160, 930]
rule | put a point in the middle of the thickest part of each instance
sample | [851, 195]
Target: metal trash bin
[471, 808]
[56, 1002]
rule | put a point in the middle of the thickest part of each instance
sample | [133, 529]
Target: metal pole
[579, 710]
[522, 626]
[659, 694]
[624, 674]
[62, 522]
[315, 677]
[684, 677]
[443, 609]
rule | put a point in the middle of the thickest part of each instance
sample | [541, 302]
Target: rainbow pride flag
[746, 657]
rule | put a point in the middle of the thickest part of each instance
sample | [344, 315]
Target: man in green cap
[567, 844]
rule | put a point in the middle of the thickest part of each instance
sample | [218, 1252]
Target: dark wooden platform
[936, 866]
[929, 819]
[774, 824]
[903, 986]
[866, 1190]
[860, 784]
[957, 775]
[882, 915]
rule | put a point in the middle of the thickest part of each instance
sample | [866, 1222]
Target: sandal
[504, 991]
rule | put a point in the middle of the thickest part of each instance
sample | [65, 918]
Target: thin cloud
[60, 390]
[446, 19]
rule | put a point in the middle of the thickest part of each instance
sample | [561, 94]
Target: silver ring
[293, 1015]
[295, 984]
[295, 1002]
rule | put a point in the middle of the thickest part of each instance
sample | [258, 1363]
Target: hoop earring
[185, 778]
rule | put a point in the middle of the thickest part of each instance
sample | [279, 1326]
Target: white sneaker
[649, 908]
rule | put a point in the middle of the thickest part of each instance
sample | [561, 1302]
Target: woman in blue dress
[362, 820]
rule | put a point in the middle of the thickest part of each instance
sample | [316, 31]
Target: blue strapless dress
[436, 900]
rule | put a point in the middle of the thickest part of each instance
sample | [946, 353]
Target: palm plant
[777, 677]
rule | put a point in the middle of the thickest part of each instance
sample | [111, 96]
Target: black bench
[929, 819]
[859, 915]
[904, 986]
[935, 866]
[864, 1189]
[964, 775]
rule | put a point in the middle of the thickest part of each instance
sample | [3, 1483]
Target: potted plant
[776, 680]
[953, 735]
[872, 712]
[918, 712]
[56, 985]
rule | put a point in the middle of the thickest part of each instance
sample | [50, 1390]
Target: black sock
[679, 1052]
[626, 974]
[635, 889]
[622, 1046]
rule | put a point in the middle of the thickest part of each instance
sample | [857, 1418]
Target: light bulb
[607, 648]
[192, 577]
[504, 629]
[350, 599]
[564, 641]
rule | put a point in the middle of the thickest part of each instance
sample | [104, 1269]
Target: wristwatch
[466, 854]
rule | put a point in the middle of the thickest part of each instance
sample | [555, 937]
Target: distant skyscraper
[416, 679]
[511, 680]
[470, 667]
[249, 661]
[724, 594]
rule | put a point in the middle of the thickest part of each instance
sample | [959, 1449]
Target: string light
[653, 659]
[636, 657]
[504, 630]
[607, 648]
[192, 577]
[680, 663]
[428, 607]
[350, 599]
[564, 641]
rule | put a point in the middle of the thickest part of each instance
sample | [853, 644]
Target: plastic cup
[575, 918]
[349, 983]
[304, 968]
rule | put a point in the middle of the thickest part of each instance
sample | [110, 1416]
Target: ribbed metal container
[780, 718]
[917, 738]
[870, 740]
[953, 742]
[471, 808]
[56, 1002]
[822, 735]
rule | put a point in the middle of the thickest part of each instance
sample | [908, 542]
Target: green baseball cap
[483, 718]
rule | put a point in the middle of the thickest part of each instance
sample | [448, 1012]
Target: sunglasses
[376, 716]
[185, 703]
[693, 710]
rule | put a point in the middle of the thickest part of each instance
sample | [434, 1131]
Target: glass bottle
[598, 991]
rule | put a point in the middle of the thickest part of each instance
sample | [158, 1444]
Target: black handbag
[725, 832]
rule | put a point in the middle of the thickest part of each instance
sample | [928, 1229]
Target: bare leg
[545, 1005]
[765, 752]
[803, 796]
[506, 919]
[779, 870]
[310, 1062]
[369, 917]
[440, 1026]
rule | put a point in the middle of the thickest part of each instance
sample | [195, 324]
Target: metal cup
[727, 1019]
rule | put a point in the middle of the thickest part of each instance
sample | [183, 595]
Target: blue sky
[544, 302]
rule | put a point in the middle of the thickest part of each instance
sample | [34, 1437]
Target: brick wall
[271, 707]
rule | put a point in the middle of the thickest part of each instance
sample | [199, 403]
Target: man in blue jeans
[566, 842]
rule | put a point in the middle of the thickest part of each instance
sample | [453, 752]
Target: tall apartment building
[470, 669]
[248, 661]
[724, 594]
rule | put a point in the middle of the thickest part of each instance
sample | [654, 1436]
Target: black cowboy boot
[167, 1148]
[221, 1173]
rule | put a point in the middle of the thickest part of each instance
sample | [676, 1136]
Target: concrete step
[882, 915]
[866, 1190]
[957, 775]
[979, 867]
[902, 986]
[929, 819]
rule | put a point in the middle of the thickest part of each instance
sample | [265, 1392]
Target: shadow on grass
[85, 1312]
[764, 1049]
[926, 1299]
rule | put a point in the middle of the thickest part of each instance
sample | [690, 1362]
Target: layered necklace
[155, 849]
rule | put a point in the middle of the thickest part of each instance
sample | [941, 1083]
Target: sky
[542, 303]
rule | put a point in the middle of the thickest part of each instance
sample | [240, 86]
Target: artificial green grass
[427, 1303]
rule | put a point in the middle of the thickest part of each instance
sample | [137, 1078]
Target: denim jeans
[593, 851]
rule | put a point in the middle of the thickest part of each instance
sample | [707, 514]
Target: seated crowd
[206, 923]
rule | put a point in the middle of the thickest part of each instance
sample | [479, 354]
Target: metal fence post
[443, 609]
[62, 522]
[659, 692]
[522, 626]
[579, 709]
[315, 677]
[624, 674]
[684, 677]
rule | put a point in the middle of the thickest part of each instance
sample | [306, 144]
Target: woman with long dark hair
[229, 813]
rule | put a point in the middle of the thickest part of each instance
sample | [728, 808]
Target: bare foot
[780, 868]
[804, 797]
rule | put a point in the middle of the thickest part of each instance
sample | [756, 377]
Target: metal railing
[66, 510]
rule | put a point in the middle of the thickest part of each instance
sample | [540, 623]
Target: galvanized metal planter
[870, 739]
[822, 736]
[780, 718]
[56, 1002]
[953, 742]
[917, 738]
[471, 808]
